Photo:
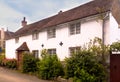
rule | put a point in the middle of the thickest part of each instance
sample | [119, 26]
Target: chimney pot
[60, 12]
[24, 22]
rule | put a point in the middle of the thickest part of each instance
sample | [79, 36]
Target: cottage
[3, 35]
[68, 31]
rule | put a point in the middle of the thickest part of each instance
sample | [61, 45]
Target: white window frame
[35, 53]
[75, 28]
[17, 40]
[35, 36]
[51, 51]
[74, 49]
[51, 33]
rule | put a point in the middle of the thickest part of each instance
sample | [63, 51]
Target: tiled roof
[9, 35]
[79, 12]
[23, 47]
[116, 10]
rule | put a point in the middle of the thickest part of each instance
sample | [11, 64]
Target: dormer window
[75, 28]
[51, 33]
[35, 36]
[17, 40]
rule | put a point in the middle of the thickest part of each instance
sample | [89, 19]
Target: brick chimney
[24, 22]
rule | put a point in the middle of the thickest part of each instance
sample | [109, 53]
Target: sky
[13, 11]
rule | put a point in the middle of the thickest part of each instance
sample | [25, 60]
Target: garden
[88, 64]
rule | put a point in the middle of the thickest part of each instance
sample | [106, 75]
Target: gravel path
[14, 76]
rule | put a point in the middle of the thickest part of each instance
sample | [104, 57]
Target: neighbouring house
[3, 36]
[2, 39]
[67, 31]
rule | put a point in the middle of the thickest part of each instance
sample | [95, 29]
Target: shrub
[83, 67]
[101, 51]
[10, 63]
[29, 63]
[49, 67]
[2, 57]
[115, 46]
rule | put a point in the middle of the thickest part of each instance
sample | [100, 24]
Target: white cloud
[9, 18]
[12, 11]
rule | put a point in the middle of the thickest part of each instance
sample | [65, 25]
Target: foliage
[101, 51]
[29, 63]
[10, 63]
[2, 57]
[84, 67]
[49, 66]
[44, 53]
[115, 46]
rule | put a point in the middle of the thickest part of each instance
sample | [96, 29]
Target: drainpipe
[103, 28]
[103, 34]
[103, 31]
[103, 39]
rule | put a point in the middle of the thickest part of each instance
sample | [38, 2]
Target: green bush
[29, 63]
[2, 57]
[115, 46]
[10, 63]
[83, 67]
[49, 67]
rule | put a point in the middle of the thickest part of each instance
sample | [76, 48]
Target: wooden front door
[115, 68]
[19, 59]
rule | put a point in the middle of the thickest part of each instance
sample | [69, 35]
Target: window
[35, 36]
[17, 40]
[118, 26]
[75, 28]
[74, 50]
[35, 53]
[52, 51]
[51, 33]
[4, 44]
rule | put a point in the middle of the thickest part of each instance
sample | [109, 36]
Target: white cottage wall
[89, 30]
[114, 30]
[10, 49]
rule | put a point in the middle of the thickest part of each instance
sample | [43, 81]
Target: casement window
[119, 26]
[73, 50]
[35, 36]
[17, 40]
[51, 51]
[75, 28]
[51, 33]
[35, 53]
